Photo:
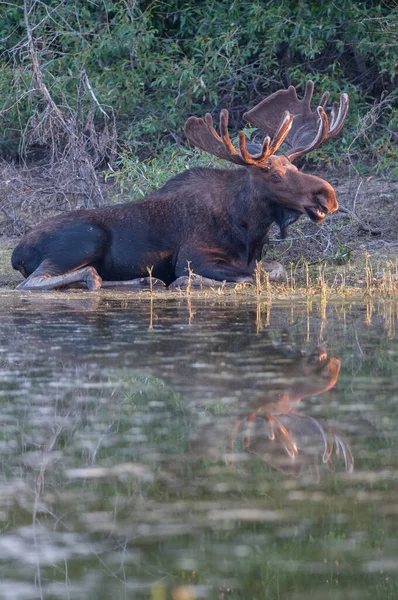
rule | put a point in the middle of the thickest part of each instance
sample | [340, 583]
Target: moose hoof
[93, 280]
[146, 282]
[245, 280]
[195, 281]
[21, 286]
[276, 271]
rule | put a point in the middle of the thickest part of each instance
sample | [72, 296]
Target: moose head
[290, 120]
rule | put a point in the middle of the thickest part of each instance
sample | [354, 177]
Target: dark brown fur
[214, 219]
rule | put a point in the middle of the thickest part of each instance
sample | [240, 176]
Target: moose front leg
[139, 283]
[226, 272]
[47, 277]
[196, 282]
[218, 270]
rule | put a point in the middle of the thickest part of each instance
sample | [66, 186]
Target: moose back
[214, 220]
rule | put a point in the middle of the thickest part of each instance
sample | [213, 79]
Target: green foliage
[136, 178]
[156, 63]
[342, 255]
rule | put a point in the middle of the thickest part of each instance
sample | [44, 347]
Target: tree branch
[36, 68]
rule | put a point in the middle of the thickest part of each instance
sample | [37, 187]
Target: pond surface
[197, 448]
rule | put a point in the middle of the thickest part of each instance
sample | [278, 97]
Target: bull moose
[214, 219]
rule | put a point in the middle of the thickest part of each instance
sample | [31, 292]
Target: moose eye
[276, 177]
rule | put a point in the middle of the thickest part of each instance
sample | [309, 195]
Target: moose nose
[333, 204]
[325, 199]
[330, 197]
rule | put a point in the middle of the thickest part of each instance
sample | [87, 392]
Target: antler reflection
[284, 438]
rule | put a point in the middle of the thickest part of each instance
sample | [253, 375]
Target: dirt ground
[366, 223]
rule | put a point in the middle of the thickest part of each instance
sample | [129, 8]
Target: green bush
[137, 178]
[156, 63]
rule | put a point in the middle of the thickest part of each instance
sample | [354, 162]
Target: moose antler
[310, 128]
[203, 135]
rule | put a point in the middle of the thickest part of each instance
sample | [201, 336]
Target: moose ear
[285, 217]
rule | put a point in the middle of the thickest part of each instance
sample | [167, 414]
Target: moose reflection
[215, 359]
[274, 430]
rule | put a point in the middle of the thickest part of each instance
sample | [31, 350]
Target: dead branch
[362, 226]
[37, 71]
[74, 139]
[130, 8]
[90, 89]
[368, 121]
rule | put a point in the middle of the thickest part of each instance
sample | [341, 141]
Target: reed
[257, 274]
[191, 275]
[369, 276]
[150, 270]
[305, 281]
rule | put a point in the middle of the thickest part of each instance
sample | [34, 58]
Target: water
[197, 448]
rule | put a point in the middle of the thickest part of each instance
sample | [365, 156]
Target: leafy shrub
[136, 178]
[156, 63]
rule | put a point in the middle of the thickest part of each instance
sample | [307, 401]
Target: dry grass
[365, 276]
[8, 277]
